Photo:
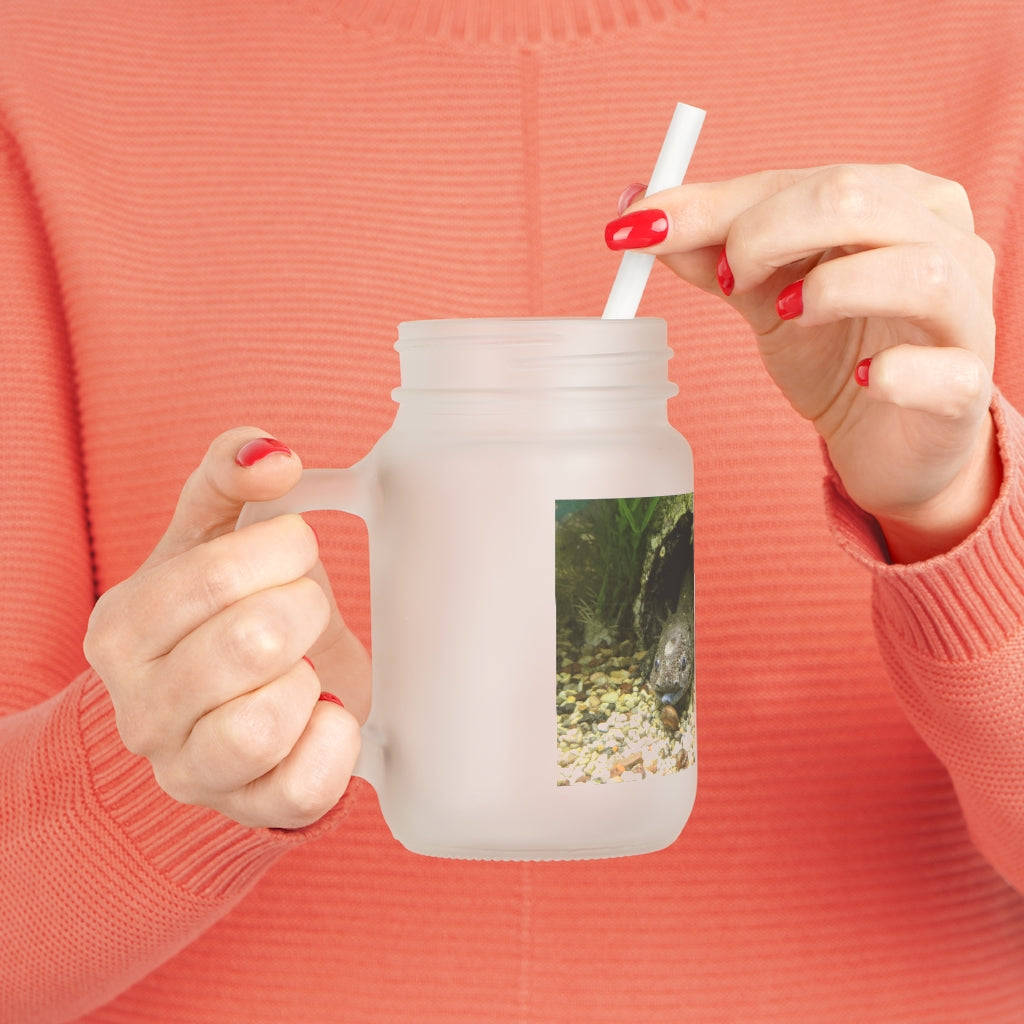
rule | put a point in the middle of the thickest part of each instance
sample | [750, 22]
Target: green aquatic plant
[599, 561]
[637, 512]
[622, 549]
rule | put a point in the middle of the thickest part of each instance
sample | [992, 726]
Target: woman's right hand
[203, 650]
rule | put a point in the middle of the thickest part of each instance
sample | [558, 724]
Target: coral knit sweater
[215, 213]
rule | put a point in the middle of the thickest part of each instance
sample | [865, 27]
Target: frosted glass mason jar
[531, 559]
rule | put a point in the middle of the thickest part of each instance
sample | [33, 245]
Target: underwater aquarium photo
[624, 672]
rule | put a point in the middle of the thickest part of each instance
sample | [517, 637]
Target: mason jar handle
[350, 490]
[337, 490]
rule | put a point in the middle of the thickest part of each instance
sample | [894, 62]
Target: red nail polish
[861, 373]
[790, 303]
[637, 230]
[252, 451]
[309, 663]
[330, 698]
[629, 195]
[724, 274]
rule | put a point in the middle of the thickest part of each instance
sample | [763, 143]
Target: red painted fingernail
[629, 195]
[790, 303]
[861, 373]
[252, 451]
[331, 698]
[724, 274]
[309, 663]
[637, 230]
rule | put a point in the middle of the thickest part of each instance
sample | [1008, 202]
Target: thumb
[241, 465]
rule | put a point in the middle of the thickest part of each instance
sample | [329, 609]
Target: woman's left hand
[870, 297]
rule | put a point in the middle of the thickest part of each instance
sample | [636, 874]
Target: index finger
[701, 214]
[172, 598]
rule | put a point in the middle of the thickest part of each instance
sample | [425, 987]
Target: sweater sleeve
[102, 876]
[951, 630]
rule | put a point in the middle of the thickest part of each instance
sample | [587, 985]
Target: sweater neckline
[522, 22]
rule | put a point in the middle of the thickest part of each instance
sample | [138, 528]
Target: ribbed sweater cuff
[195, 849]
[964, 603]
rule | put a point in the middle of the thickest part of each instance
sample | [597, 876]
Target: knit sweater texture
[214, 214]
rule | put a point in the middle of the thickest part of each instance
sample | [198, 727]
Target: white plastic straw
[674, 158]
